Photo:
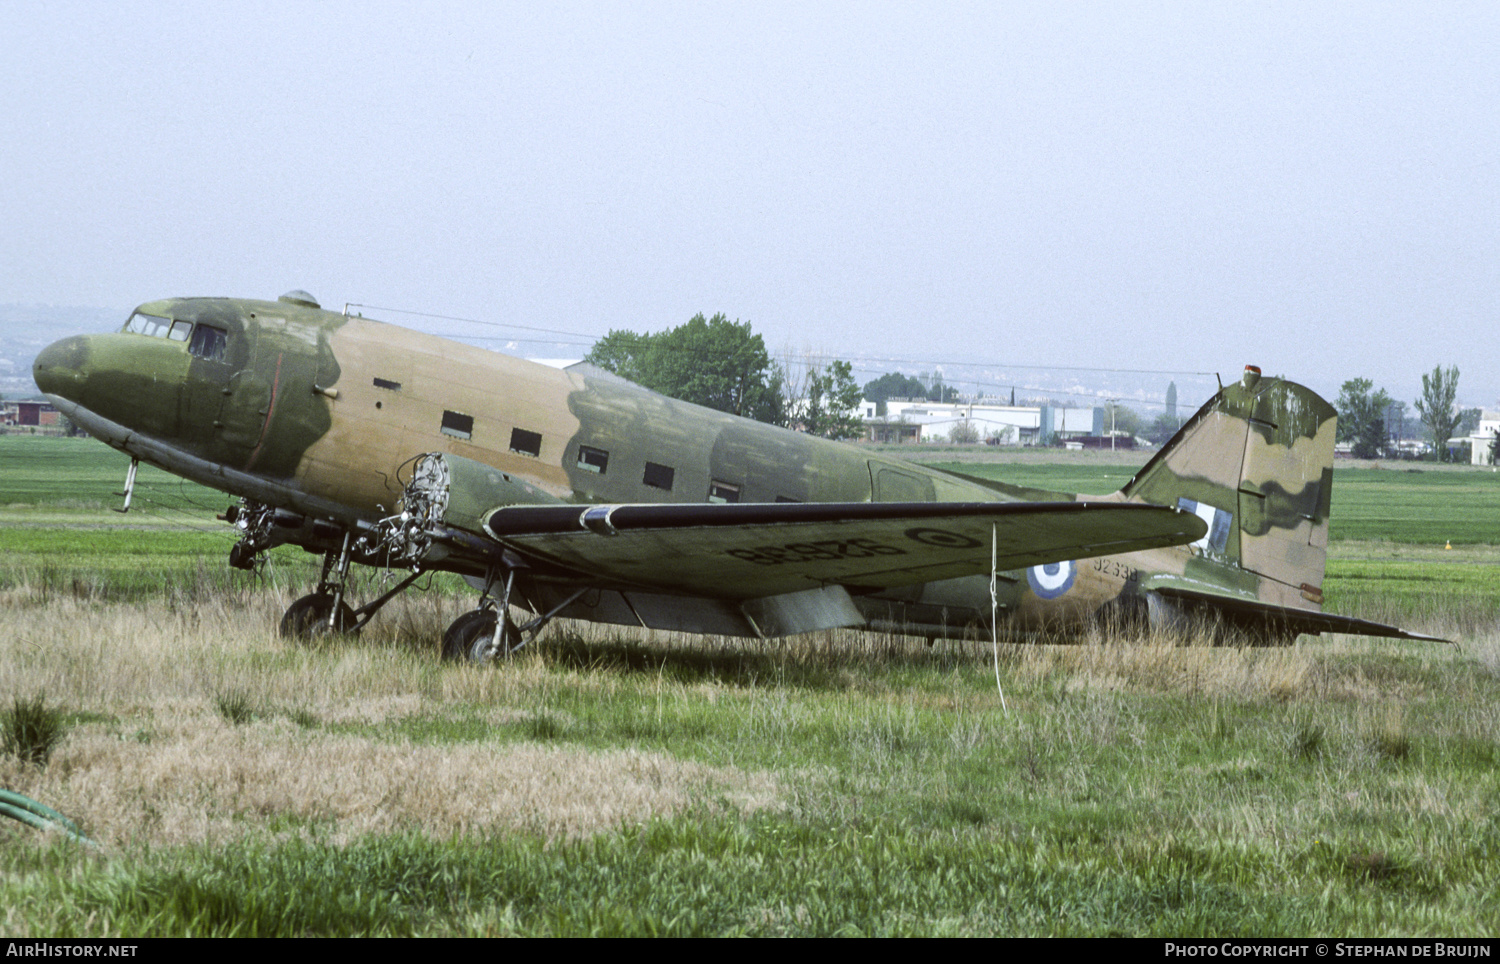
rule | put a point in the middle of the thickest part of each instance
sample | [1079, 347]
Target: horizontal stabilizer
[1261, 614]
[749, 551]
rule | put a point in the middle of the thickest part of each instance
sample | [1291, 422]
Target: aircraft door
[245, 401]
[217, 356]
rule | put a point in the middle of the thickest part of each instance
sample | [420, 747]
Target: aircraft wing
[1262, 615]
[747, 551]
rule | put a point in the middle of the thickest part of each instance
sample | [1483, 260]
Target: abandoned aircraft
[567, 493]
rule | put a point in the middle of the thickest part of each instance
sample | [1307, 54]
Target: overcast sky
[1163, 186]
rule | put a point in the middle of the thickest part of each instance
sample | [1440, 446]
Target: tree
[832, 409]
[1468, 421]
[713, 362]
[893, 385]
[1162, 428]
[1362, 417]
[622, 352]
[1001, 435]
[940, 392]
[1436, 407]
[963, 432]
[1125, 421]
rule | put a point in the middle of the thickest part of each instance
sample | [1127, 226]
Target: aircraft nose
[59, 369]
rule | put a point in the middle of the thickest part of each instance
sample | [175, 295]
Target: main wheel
[468, 638]
[307, 618]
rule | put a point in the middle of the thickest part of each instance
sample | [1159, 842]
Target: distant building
[920, 420]
[38, 414]
[1482, 442]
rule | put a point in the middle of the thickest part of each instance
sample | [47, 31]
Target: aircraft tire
[469, 634]
[307, 618]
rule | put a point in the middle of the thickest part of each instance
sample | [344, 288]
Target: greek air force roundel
[1051, 580]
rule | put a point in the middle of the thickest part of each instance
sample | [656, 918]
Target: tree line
[724, 365]
[1370, 419]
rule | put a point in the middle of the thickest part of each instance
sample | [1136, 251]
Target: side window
[523, 442]
[659, 476]
[180, 330]
[723, 491]
[591, 459]
[208, 343]
[458, 425]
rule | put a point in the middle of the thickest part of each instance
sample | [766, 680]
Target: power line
[864, 360]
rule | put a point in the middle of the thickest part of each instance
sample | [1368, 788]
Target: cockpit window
[205, 341]
[208, 343]
[153, 325]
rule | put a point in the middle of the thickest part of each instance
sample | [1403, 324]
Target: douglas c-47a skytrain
[577, 494]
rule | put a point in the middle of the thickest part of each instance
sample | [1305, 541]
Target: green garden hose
[40, 816]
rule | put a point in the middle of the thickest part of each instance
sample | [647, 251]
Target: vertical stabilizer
[1256, 463]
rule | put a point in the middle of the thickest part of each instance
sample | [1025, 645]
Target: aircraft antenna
[995, 615]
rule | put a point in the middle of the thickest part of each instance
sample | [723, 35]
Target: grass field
[613, 783]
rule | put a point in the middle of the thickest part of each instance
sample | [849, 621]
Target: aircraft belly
[784, 615]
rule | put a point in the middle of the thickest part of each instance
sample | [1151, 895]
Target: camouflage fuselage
[319, 412]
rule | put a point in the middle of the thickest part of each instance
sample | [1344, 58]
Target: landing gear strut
[471, 638]
[323, 613]
[487, 632]
[316, 615]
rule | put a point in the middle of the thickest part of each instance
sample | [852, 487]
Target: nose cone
[59, 369]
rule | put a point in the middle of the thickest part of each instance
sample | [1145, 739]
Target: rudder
[1256, 463]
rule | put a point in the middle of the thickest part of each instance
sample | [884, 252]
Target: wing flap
[748, 551]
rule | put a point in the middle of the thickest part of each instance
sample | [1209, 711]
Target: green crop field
[1425, 506]
[609, 782]
[79, 473]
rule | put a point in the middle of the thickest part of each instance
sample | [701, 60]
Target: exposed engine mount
[406, 537]
[445, 493]
[254, 520]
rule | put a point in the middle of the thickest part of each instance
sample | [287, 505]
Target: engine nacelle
[448, 492]
[456, 492]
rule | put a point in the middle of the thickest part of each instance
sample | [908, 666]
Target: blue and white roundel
[1051, 580]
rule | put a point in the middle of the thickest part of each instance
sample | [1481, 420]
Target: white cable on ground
[995, 614]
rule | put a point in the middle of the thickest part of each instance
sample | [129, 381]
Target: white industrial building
[1481, 443]
[1005, 424]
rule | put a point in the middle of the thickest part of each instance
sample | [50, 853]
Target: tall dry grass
[318, 740]
[153, 760]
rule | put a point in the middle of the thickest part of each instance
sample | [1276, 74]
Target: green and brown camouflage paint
[332, 406]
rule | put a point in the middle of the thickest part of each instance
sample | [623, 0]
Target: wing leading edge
[749, 551]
